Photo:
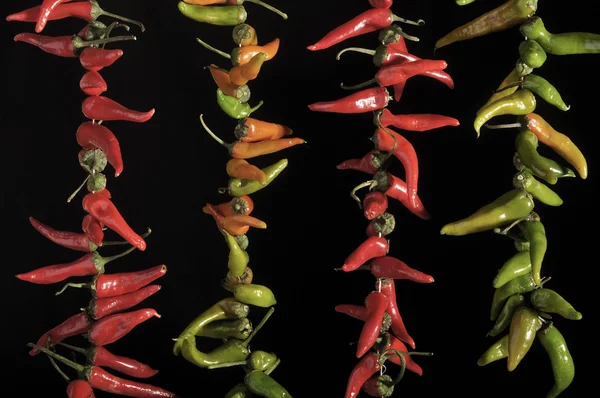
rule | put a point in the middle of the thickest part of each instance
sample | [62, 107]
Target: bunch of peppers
[384, 335]
[227, 320]
[105, 319]
[522, 307]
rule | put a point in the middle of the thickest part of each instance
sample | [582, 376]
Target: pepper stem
[222, 190]
[106, 260]
[78, 367]
[269, 7]
[124, 242]
[503, 126]
[226, 365]
[60, 372]
[70, 284]
[113, 25]
[70, 198]
[260, 325]
[402, 367]
[409, 37]
[115, 16]
[509, 234]
[355, 49]
[514, 223]
[396, 18]
[271, 368]
[103, 41]
[545, 280]
[73, 348]
[360, 186]
[211, 48]
[511, 85]
[257, 106]
[360, 85]
[213, 135]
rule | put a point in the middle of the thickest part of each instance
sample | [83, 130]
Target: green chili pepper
[525, 180]
[503, 321]
[534, 232]
[509, 207]
[521, 284]
[239, 391]
[523, 328]
[521, 102]
[238, 258]
[540, 166]
[464, 2]
[521, 245]
[252, 294]
[233, 107]
[563, 43]
[261, 360]
[237, 329]
[517, 265]
[497, 351]
[264, 385]
[215, 15]
[542, 87]
[238, 187]
[532, 53]
[549, 301]
[228, 308]
[563, 366]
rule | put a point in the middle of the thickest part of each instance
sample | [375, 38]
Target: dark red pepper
[364, 369]
[73, 326]
[367, 100]
[113, 327]
[64, 46]
[375, 204]
[413, 122]
[391, 268]
[395, 188]
[80, 389]
[100, 307]
[372, 247]
[102, 108]
[370, 163]
[93, 229]
[70, 240]
[95, 59]
[92, 135]
[388, 288]
[92, 83]
[376, 304]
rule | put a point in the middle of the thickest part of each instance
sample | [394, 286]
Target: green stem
[257, 106]
[60, 372]
[115, 16]
[269, 7]
[400, 375]
[357, 86]
[213, 135]
[113, 25]
[124, 242]
[70, 284]
[355, 49]
[97, 42]
[70, 198]
[503, 126]
[271, 368]
[260, 325]
[396, 18]
[211, 48]
[107, 260]
[78, 367]
[513, 224]
[227, 365]
[73, 348]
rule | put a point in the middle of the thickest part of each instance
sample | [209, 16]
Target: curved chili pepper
[509, 85]
[238, 258]
[521, 284]
[111, 285]
[93, 135]
[542, 88]
[64, 46]
[509, 14]
[214, 212]
[113, 327]
[517, 265]
[46, 10]
[532, 54]
[525, 180]
[379, 386]
[214, 15]
[244, 35]
[413, 122]
[375, 204]
[243, 55]
[263, 385]
[505, 317]
[240, 168]
[563, 43]
[80, 389]
[366, 22]
[381, 225]
[253, 294]
[235, 2]
[95, 59]
[376, 304]
[104, 381]
[561, 360]
[237, 329]
[261, 360]
[372, 247]
[497, 351]
[103, 210]
[559, 142]
[370, 163]
[102, 108]
[92, 83]
[523, 328]
[93, 229]
[72, 326]
[367, 100]
[387, 342]
[547, 300]
[221, 77]
[242, 74]
[253, 130]
[392, 75]
[511, 206]
[233, 107]
[70, 240]
[239, 224]
[521, 102]
[364, 369]
[534, 232]
[237, 187]
[238, 205]
[391, 268]
[100, 307]
[395, 188]
[388, 288]
[361, 313]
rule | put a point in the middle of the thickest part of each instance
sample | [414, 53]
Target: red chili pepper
[366, 22]
[92, 83]
[389, 343]
[367, 100]
[93, 135]
[93, 229]
[46, 10]
[105, 193]
[94, 59]
[401, 54]
[414, 122]
[391, 268]
[388, 288]
[381, 3]
[369, 249]
[364, 369]
[375, 204]
[80, 389]
[70, 240]
[395, 74]
[64, 46]
[102, 108]
[213, 211]
[102, 380]
[100, 356]
[355, 311]
[103, 210]
[99, 308]
[111, 285]
[395, 188]
[113, 327]
[73, 326]
[370, 163]
[376, 303]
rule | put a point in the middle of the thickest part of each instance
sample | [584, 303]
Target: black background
[172, 167]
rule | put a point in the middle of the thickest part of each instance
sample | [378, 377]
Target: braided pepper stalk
[522, 304]
[228, 320]
[384, 330]
[106, 319]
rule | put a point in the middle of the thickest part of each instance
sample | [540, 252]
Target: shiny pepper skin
[563, 366]
[375, 204]
[523, 328]
[372, 247]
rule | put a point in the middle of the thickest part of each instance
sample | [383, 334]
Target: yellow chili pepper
[520, 102]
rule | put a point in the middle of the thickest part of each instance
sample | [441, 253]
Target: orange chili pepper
[239, 224]
[242, 74]
[218, 217]
[243, 55]
[239, 168]
[221, 77]
[247, 150]
[238, 205]
[245, 35]
[252, 130]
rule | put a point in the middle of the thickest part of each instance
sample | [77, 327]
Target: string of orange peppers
[228, 320]
[104, 320]
[522, 306]
[384, 336]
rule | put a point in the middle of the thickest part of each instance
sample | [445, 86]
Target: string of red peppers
[522, 307]
[227, 320]
[384, 335]
[105, 319]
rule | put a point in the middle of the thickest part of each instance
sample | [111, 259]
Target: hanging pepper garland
[227, 320]
[384, 336]
[522, 306]
[105, 319]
